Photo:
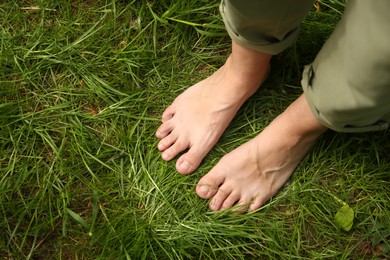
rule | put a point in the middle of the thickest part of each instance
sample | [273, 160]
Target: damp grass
[82, 88]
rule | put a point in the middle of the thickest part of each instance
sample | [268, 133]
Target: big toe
[208, 186]
[190, 161]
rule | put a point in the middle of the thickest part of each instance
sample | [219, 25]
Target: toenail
[185, 166]
[165, 156]
[204, 189]
[212, 205]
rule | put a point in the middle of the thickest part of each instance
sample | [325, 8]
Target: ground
[82, 89]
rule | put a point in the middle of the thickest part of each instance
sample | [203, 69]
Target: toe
[164, 129]
[190, 161]
[257, 203]
[168, 114]
[206, 191]
[208, 186]
[167, 141]
[243, 205]
[230, 200]
[219, 198]
[174, 150]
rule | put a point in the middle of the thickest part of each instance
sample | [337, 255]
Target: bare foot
[254, 172]
[198, 117]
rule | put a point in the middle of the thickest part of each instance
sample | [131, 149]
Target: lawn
[82, 88]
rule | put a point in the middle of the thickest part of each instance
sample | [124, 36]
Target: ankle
[298, 122]
[253, 73]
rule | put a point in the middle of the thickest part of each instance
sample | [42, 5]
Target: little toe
[174, 150]
[257, 203]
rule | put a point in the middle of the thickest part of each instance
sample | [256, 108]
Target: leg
[198, 117]
[348, 84]
[346, 89]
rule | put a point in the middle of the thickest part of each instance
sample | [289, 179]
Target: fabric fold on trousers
[264, 25]
[348, 84]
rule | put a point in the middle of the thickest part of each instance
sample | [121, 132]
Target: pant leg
[268, 26]
[348, 84]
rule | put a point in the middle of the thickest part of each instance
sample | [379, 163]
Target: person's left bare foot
[254, 172]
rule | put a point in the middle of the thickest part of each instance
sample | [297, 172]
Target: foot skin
[198, 117]
[254, 172]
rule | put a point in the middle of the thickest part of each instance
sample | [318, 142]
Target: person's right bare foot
[198, 117]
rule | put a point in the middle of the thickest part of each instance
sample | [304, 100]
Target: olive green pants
[348, 84]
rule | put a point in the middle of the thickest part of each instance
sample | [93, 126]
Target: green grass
[82, 88]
